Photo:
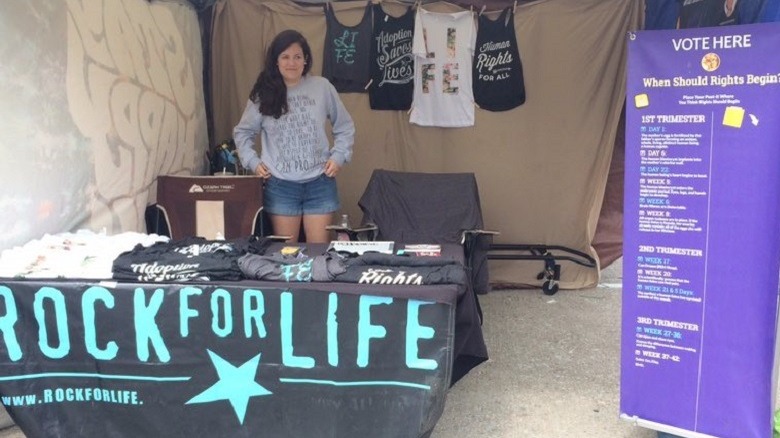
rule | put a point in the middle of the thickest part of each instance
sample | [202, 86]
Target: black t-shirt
[191, 258]
[392, 61]
[498, 73]
[346, 52]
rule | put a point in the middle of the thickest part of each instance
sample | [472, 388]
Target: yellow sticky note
[290, 250]
[733, 116]
[641, 100]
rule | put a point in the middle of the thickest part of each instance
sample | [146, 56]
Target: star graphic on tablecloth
[235, 384]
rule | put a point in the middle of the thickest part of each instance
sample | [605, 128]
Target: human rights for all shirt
[498, 72]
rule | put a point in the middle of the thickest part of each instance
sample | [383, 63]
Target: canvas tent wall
[98, 98]
[541, 168]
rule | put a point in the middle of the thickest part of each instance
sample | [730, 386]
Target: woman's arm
[343, 128]
[244, 136]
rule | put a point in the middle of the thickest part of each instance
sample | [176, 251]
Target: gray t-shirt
[295, 146]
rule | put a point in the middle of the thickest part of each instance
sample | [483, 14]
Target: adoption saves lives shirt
[392, 61]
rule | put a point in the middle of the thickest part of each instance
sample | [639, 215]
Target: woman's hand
[331, 168]
[262, 171]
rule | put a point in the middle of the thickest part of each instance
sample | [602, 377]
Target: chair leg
[479, 306]
[468, 247]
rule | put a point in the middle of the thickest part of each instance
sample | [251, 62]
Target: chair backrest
[208, 206]
[428, 208]
[422, 207]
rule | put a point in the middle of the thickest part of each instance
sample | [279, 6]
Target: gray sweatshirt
[295, 147]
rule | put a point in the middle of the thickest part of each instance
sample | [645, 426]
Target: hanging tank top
[498, 72]
[443, 50]
[392, 61]
[346, 52]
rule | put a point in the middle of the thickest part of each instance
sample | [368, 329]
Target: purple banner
[702, 230]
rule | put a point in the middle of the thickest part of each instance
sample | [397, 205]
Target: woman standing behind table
[289, 108]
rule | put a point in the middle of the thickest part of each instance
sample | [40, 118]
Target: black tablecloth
[469, 345]
[246, 358]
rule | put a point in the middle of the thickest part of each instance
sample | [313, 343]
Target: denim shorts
[289, 198]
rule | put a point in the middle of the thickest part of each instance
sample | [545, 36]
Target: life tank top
[346, 52]
[443, 51]
[392, 61]
[498, 72]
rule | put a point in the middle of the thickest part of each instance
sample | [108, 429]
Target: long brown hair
[269, 89]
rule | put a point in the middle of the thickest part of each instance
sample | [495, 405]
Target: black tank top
[347, 52]
[498, 72]
[392, 61]
[695, 13]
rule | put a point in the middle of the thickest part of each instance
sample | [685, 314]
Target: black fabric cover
[427, 208]
[220, 382]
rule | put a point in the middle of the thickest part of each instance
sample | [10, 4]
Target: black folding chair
[430, 208]
[445, 208]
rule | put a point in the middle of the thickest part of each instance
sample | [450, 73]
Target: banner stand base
[663, 427]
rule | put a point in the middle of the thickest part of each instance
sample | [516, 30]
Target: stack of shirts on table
[192, 258]
[368, 268]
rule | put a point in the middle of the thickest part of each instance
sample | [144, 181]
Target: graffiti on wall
[134, 90]
[97, 98]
